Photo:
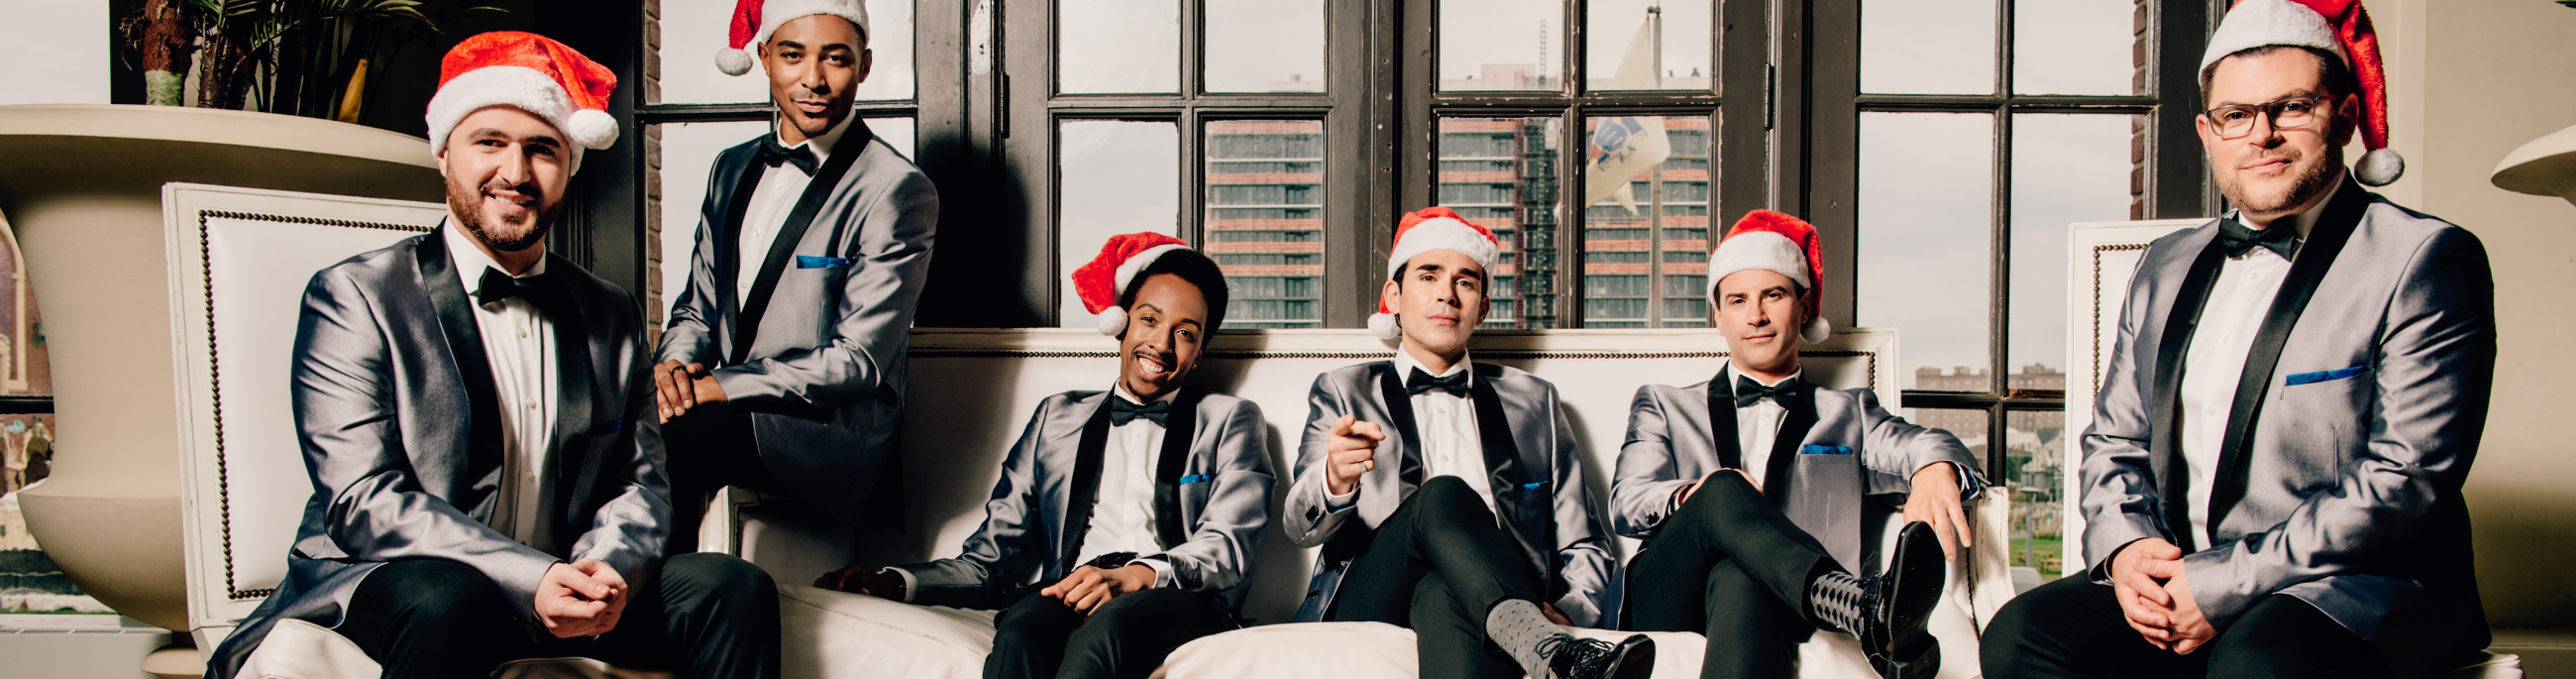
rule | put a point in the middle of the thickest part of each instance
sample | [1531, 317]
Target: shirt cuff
[1340, 502]
[1162, 569]
[908, 586]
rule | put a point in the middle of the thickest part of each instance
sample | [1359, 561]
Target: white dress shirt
[771, 202]
[1757, 426]
[1451, 445]
[1122, 509]
[519, 344]
[2238, 301]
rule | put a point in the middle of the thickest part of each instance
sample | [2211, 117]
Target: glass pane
[1501, 173]
[1265, 220]
[896, 132]
[1649, 45]
[1502, 45]
[1924, 246]
[1117, 176]
[1265, 46]
[2075, 46]
[688, 153]
[1646, 187]
[1927, 46]
[2034, 447]
[694, 30]
[1118, 46]
[2066, 169]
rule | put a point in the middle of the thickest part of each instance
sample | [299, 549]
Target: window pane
[1502, 44]
[1637, 45]
[2066, 169]
[1928, 46]
[2034, 446]
[896, 132]
[1265, 46]
[1969, 425]
[1501, 173]
[1646, 186]
[688, 152]
[2075, 46]
[1925, 219]
[1118, 46]
[694, 30]
[1265, 220]
[1118, 176]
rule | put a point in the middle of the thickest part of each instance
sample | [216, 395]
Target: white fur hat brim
[2259, 23]
[522, 88]
[1441, 233]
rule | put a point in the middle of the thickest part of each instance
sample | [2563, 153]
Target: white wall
[55, 51]
[2470, 81]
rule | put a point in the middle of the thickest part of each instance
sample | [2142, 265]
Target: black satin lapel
[1503, 466]
[1784, 447]
[827, 179]
[465, 344]
[1399, 409]
[1179, 427]
[576, 465]
[2164, 439]
[728, 260]
[1085, 487]
[2325, 240]
[1722, 434]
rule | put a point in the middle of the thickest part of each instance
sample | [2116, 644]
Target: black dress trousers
[704, 450]
[702, 616]
[1042, 638]
[1439, 565]
[2074, 628]
[1730, 566]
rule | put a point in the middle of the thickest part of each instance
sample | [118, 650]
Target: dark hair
[2332, 73]
[1193, 268]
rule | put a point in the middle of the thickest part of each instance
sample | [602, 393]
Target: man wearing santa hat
[1749, 488]
[1448, 495]
[469, 407]
[1138, 508]
[782, 368]
[2271, 486]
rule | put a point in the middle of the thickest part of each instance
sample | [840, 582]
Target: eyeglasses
[2287, 113]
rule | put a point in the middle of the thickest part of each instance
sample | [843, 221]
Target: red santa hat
[1100, 282]
[1770, 241]
[2341, 28]
[754, 20]
[532, 73]
[1425, 230]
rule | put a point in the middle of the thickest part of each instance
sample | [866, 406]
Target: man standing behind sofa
[1749, 489]
[783, 364]
[1140, 507]
[2271, 486]
[1448, 494]
[467, 405]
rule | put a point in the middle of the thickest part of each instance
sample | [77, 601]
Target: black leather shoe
[1898, 645]
[1572, 657]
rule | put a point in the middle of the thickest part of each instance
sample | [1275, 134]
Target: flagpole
[1655, 192]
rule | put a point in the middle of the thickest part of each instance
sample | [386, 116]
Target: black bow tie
[1749, 392]
[772, 153]
[497, 286]
[2239, 240]
[1123, 411]
[1419, 381]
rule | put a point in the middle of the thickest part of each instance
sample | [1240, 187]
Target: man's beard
[502, 235]
[2312, 181]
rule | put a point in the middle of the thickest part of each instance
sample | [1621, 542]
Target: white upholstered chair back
[2101, 258]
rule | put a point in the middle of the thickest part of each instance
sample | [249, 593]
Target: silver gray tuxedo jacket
[816, 350]
[1212, 501]
[1537, 481]
[394, 407]
[2354, 425]
[1836, 450]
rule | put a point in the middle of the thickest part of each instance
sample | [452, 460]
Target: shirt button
[523, 333]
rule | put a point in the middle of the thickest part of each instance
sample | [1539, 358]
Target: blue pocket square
[813, 262]
[2324, 376]
[1813, 449]
[1533, 485]
[615, 425]
[1195, 478]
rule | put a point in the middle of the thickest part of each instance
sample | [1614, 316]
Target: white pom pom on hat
[754, 20]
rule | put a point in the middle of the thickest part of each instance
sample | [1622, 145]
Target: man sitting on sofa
[1141, 507]
[1474, 526]
[1748, 488]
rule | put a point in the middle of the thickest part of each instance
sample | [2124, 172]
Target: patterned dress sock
[1840, 602]
[1517, 627]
